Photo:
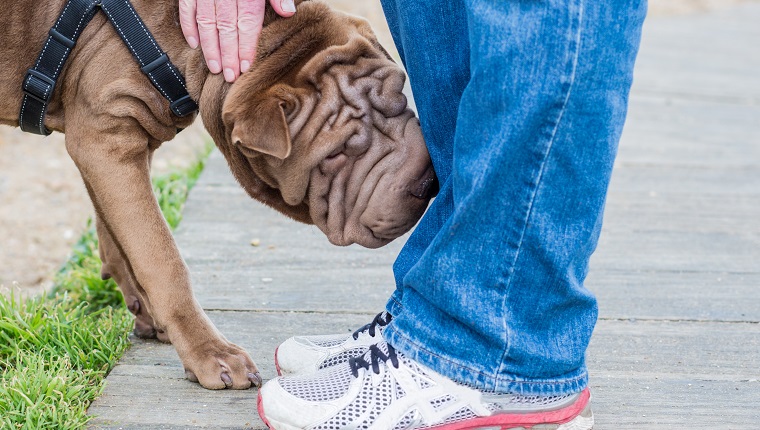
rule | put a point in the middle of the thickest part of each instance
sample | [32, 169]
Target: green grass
[56, 351]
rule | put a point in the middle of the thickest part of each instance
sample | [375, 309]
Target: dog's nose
[427, 186]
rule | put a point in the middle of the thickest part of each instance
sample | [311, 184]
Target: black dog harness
[39, 83]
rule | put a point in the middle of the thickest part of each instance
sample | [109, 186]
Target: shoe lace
[375, 355]
[381, 320]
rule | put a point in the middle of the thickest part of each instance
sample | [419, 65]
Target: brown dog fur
[294, 130]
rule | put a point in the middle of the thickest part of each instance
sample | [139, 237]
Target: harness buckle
[60, 38]
[155, 64]
[39, 86]
[184, 106]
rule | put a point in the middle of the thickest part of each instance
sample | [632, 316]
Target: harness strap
[153, 61]
[40, 81]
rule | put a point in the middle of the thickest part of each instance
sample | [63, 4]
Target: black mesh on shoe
[380, 353]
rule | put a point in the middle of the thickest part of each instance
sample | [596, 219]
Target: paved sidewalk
[677, 271]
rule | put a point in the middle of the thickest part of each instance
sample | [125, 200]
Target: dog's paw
[221, 366]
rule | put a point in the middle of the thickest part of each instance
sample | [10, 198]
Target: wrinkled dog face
[320, 130]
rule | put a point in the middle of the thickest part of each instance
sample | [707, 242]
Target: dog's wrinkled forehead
[320, 77]
[359, 75]
[300, 49]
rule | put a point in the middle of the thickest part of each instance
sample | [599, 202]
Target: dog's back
[24, 27]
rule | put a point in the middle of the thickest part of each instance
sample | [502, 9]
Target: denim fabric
[522, 103]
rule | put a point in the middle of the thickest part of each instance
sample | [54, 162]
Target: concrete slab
[688, 363]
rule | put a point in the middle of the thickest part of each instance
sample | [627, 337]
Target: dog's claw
[190, 376]
[134, 307]
[255, 379]
[219, 365]
[227, 380]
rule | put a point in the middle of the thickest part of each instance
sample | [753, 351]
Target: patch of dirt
[43, 203]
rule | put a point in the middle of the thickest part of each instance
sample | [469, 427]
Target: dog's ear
[263, 129]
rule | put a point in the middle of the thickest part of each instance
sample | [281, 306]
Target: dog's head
[320, 130]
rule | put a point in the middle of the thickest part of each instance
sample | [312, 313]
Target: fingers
[250, 20]
[187, 19]
[227, 31]
[227, 24]
[209, 35]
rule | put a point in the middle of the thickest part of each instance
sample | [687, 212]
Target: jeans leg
[496, 300]
[439, 71]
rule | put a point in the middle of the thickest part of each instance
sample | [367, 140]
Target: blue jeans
[522, 103]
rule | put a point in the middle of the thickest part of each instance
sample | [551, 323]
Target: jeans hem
[570, 383]
[394, 306]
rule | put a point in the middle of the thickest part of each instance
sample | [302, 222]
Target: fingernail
[214, 66]
[288, 6]
[229, 75]
[245, 66]
[193, 42]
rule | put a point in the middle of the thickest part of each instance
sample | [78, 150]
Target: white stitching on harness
[47, 42]
[26, 97]
[42, 117]
[60, 63]
[23, 106]
[171, 68]
[76, 32]
[131, 9]
[174, 72]
[131, 48]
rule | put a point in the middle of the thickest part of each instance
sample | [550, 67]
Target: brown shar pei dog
[318, 129]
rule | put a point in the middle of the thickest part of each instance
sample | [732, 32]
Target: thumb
[284, 8]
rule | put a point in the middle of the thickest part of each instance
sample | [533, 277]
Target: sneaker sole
[577, 416]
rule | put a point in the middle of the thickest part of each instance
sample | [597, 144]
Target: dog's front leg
[115, 170]
[115, 266]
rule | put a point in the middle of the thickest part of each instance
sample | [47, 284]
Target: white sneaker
[384, 390]
[307, 354]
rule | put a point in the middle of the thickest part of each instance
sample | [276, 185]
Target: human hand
[227, 30]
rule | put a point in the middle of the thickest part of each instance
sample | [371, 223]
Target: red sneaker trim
[507, 421]
[260, 407]
[276, 364]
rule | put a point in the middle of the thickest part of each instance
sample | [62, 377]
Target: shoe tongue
[383, 346]
[367, 356]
